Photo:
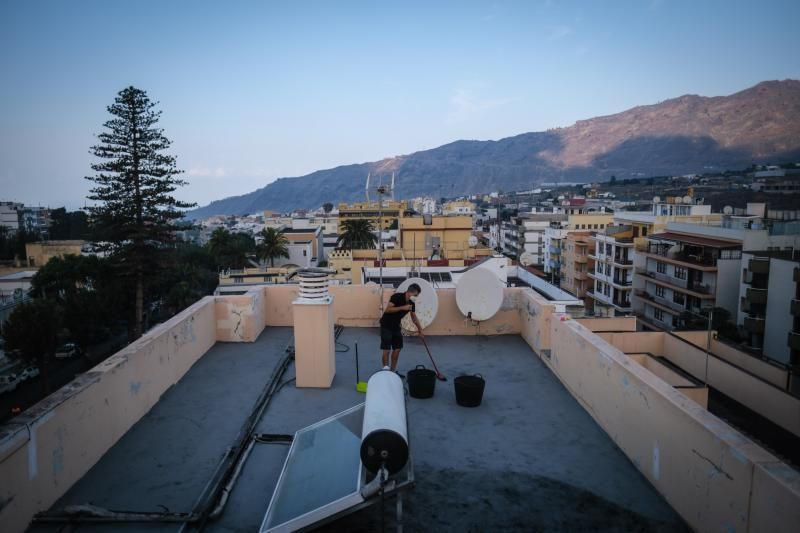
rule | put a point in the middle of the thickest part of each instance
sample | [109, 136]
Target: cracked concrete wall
[240, 318]
[359, 306]
[716, 478]
[54, 443]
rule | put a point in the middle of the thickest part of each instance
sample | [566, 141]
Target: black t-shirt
[392, 320]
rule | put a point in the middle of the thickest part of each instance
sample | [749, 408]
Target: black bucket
[421, 382]
[469, 390]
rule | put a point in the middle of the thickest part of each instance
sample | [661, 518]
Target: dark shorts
[391, 339]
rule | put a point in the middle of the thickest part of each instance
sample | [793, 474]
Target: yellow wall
[369, 210]
[39, 253]
[589, 220]
[453, 233]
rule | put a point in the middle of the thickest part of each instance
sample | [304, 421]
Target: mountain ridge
[689, 133]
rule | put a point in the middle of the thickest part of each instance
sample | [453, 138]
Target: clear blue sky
[255, 91]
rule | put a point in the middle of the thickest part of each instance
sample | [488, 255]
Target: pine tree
[134, 183]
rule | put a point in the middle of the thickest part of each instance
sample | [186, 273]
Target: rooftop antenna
[382, 190]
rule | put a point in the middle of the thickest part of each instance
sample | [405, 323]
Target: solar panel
[322, 476]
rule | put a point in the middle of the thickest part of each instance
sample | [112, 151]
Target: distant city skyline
[252, 92]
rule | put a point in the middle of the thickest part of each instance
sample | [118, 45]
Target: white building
[769, 312]
[9, 215]
[613, 272]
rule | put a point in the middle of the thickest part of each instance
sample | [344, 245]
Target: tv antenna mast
[382, 191]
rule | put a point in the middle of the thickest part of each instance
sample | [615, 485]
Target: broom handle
[430, 356]
[357, 378]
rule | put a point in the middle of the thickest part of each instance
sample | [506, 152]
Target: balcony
[582, 259]
[758, 266]
[556, 250]
[754, 325]
[623, 261]
[756, 296]
[794, 307]
[580, 275]
[699, 262]
[794, 340]
[744, 305]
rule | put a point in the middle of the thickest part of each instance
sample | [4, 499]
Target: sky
[254, 91]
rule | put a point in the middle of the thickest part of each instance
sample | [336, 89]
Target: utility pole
[708, 343]
[381, 192]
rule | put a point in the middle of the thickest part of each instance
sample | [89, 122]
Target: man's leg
[385, 358]
[395, 357]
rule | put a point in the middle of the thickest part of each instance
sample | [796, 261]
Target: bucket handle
[420, 366]
[478, 376]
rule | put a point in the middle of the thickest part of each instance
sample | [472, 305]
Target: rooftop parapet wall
[359, 306]
[54, 443]
[712, 475]
[762, 396]
[240, 318]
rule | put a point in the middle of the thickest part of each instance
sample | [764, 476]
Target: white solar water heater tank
[384, 434]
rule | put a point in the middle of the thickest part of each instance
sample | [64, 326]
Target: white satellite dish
[727, 210]
[427, 305]
[656, 199]
[687, 199]
[473, 241]
[526, 259]
[479, 294]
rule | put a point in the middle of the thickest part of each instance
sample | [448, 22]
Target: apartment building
[576, 264]
[9, 215]
[613, 271]
[389, 213]
[685, 272]
[692, 267]
[555, 235]
[769, 305]
[526, 233]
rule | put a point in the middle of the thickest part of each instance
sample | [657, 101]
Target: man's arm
[391, 308]
[415, 320]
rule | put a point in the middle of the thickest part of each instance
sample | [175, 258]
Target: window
[607, 289]
[658, 314]
[680, 272]
[608, 269]
[602, 226]
[661, 267]
[659, 291]
[678, 297]
[238, 279]
[609, 250]
[304, 253]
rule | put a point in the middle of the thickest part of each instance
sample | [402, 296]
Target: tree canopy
[274, 244]
[357, 234]
[133, 185]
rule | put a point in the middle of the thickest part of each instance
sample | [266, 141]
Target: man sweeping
[400, 304]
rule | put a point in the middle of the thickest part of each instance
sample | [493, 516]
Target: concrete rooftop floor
[530, 458]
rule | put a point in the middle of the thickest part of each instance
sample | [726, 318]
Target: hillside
[682, 135]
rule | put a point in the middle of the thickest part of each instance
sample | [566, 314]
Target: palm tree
[274, 244]
[357, 234]
[218, 243]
